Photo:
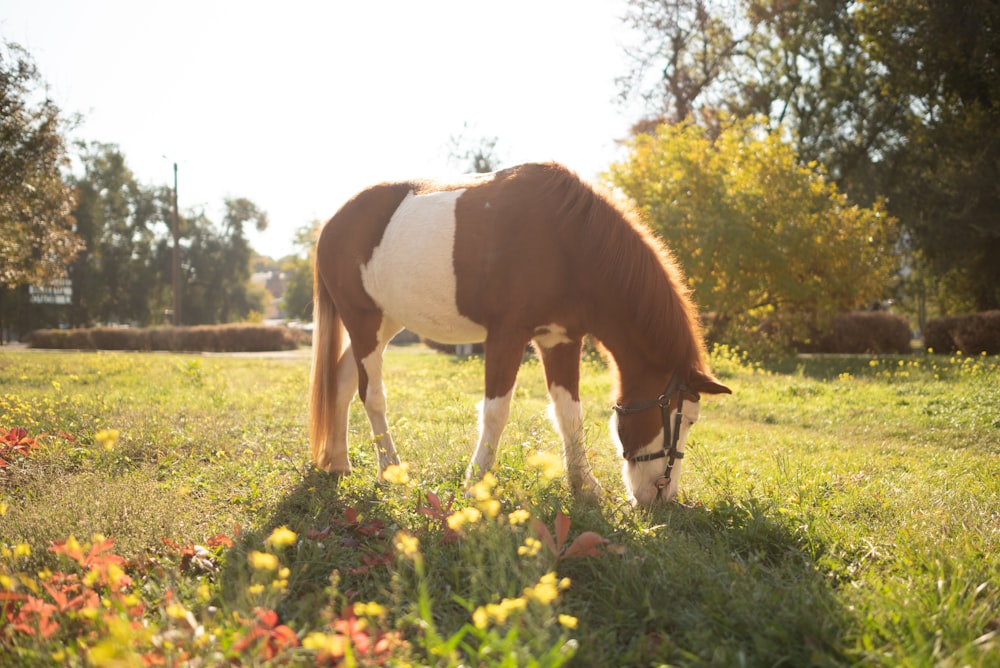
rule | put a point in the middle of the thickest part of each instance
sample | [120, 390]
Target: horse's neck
[644, 362]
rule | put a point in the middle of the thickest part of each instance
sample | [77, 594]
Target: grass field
[160, 508]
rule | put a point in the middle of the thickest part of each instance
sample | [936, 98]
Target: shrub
[859, 332]
[205, 338]
[970, 334]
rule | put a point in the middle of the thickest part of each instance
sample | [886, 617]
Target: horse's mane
[622, 252]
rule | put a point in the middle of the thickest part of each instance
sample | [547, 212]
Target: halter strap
[671, 437]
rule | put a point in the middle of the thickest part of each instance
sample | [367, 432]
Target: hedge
[862, 332]
[205, 338]
[970, 334]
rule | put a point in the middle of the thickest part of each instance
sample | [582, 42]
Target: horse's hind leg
[372, 393]
[347, 384]
[561, 361]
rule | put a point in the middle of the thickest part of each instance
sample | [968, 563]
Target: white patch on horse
[549, 336]
[567, 415]
[493, 414]
[411, 273]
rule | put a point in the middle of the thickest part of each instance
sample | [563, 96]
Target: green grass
[835, 511]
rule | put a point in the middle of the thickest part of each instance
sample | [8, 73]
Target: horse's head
[652, 435]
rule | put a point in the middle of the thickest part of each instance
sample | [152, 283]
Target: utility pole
[176, 258]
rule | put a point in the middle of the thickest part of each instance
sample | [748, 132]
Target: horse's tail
[328, 334]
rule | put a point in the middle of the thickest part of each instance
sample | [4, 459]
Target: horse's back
[451, 260]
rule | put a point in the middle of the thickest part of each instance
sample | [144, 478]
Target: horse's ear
[705, 383]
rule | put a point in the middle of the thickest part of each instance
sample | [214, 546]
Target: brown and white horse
[527, 254]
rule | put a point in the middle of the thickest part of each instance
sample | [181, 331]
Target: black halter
[670, 436]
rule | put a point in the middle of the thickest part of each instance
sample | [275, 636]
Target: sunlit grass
[835, 511]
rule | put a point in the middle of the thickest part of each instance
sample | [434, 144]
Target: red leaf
[587, 544]
[562, 529]
[545, 536]
[220, 540]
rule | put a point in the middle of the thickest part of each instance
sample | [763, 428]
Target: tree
[115, 278]
[898, 98]
[476, 154]
[36, 235]
[216, 265]
[770, 247]
[940, 65]
[298, 268]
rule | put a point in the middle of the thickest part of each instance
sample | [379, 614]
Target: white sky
[298, 107]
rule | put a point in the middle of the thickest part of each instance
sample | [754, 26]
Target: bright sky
[298, 105]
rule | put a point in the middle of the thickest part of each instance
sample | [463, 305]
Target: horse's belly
[411, 273]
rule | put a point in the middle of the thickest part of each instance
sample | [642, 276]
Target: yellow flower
[467, 515]
[333, 644]
[107, 438]
[519, 516]
[490, 507]
[547, 589]
[397, 474]
[480, 618]
[204, 593]
[568, 621]
[255, 590]
[530, 548]
[482, 490]
[262, 561]
[549, 464]
[407, 545]
[177, 611]
[3, 509]
[281, 537]
[368, 610]
[22, 550]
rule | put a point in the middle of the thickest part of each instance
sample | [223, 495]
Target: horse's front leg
[372, 393]
[503, 358]
[561, 361]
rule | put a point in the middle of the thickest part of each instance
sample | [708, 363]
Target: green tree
[116, 277]
[216, 264]
[771, 248]
[298, 270]
[36, 236]
[900, 99]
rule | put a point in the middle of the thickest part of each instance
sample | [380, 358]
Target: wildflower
[490, 507]
[397, 474]
[176, 611]
[255, 590]
[547, 463]
[407, 545]
[107, 438]
[498, 612]
[482, 490]
[519, 516]
[547, 589]
[334, 644]
[467, 515]
[530, 548]
[262, 561]
[368, 610]
[568, 621]
[281, 537]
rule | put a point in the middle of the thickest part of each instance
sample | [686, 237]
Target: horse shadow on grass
[733, 583]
